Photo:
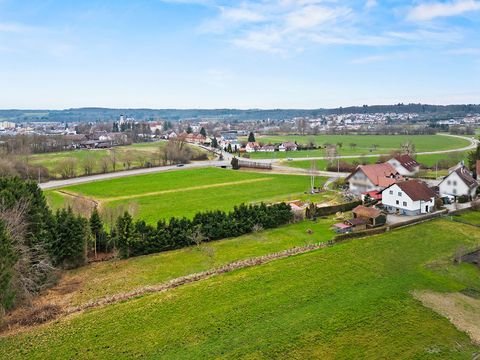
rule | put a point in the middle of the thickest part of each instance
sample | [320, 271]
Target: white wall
[391, 195]
[453, 185]
[401, 170]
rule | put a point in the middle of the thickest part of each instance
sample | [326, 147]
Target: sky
[57, 54]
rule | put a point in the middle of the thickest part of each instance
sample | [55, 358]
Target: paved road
[226, 162]
[85, 179]
[473, 145]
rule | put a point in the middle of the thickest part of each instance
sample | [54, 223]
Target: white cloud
[312, 16]
[241, 15]
[371, 4]
[432, 10]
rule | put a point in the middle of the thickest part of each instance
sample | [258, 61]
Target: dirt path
[461, 310]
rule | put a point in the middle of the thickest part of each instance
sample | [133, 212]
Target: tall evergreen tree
[203, 132]
[214, 142]
[125, 234]
[96, 229]
[7, 261]
[189, 129]
[251, 137]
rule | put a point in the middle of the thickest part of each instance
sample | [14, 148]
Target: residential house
[459, 182]
[267, 148]
[374, 217]
[410, 197]
[252, 147]
[405, 165]
[372, 177]
[194, 138]
[229, 138]
[287, 146]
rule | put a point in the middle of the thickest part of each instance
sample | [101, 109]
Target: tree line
[35, 242]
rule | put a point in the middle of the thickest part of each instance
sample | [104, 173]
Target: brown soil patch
[461, 310]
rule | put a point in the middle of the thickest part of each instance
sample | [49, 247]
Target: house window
[399, 194]
[391, 192]
[454, 191]
[404, 203]
[454, 183]
[449, 182]
[398, 202]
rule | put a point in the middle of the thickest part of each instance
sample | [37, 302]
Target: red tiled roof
[379, 174]
[416, 190]
[357, 221]
[407, 162]
[466, 177]
[374, 194]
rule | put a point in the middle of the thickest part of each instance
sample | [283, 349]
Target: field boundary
[172, 191]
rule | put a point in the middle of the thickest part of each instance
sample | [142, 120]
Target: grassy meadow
[364, 144]
[111, 277]
[351, 300]
[137, 154]
[428, 160]
[186, 192]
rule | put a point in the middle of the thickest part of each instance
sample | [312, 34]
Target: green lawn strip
[364, 144]
[108, 278]
[352, 300]
[472, 217]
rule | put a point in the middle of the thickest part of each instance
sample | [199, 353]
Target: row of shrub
[139, 238]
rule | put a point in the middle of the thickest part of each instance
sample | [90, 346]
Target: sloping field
[352, 300]
[364, 144]
[135, 153]
[186, 192]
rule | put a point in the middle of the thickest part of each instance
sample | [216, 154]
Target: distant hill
[434, 112]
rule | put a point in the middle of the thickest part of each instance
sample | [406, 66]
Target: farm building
[410, 197]
[287, 146]
[374, 216]
[405, 165]
[351, 225]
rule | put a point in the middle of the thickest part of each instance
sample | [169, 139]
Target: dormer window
[399, 193]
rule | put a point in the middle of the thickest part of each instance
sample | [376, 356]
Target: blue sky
[243, 54]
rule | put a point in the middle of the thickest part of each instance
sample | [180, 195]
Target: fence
[254, 165]
[329, 210]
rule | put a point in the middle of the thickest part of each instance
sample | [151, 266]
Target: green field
[108, 278]
[351, 300]
[186, 192]
[136, 154]
[364, 144]
[429, 160]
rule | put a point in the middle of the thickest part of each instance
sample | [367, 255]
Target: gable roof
[416, 190]
[466, 177]
[366, 212]
[379, 174]
[407, 162]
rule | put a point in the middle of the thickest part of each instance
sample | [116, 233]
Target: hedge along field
[351, 300]
[108, 278]
[137, 153]
[428, 160]
[364, 144]
[186, 192]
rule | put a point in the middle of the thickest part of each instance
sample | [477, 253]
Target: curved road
[217, 163]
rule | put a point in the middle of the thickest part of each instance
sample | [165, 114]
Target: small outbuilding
[373, 216]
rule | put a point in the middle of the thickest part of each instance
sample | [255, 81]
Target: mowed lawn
[364, 144]
[186, 192]
[352, 300]
[111, 277]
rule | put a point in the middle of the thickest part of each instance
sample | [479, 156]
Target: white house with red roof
[405, 165]
[410, 197]
[459, 182]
